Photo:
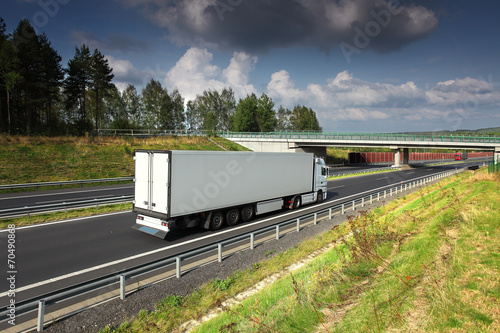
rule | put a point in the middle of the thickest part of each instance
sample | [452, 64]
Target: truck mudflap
[151, 231]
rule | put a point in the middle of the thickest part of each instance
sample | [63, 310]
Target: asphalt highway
[22, 199]
[55, 255]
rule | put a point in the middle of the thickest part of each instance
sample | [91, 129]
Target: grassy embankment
[427, 262]
[42, 159]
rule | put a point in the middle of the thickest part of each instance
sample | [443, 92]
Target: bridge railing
[305, 135]
[362, 136]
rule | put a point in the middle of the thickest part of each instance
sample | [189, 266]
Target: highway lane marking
[382, 178]
[137, 256]
[331, 188]
[46, 194]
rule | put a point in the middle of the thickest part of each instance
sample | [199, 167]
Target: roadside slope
[43, 159]
[425, 262]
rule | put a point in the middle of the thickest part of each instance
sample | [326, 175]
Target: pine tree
[100, 79]
[75, 85]
[9, 73]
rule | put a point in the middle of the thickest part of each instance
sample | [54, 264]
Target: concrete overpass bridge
[400, 143]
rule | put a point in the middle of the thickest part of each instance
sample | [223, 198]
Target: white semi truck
[183, 189]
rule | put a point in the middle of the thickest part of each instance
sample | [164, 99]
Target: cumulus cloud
[347, 98]
[260, 25]
[466, 91]
[345, 91]
[195, 73]
[112, 42]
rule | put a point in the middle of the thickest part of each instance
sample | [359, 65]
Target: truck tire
[319, 198]
[217, 221]
[247, 213]
[297, 202]
[232, 217]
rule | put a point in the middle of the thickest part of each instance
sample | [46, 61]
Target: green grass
[426, 262]
[41, 159]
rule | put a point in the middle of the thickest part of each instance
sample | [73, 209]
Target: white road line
[62, 277]
[64, 193]
[382, 178]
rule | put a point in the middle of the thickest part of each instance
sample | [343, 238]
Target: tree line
[39, 96]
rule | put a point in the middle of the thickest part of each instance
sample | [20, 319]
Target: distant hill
[482, 131]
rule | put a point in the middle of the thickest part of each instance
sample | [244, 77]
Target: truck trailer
[176, 190]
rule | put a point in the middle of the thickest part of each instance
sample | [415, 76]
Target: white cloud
[195, 73]
[346, 98]
[281, 87]
[468, 92]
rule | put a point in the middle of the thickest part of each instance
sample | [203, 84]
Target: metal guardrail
[54, 207]
[67, 182]
[151, 132]
[41, 302]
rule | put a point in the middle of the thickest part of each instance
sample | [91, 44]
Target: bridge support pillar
[406, 156]
[397, 157]
[496, 155]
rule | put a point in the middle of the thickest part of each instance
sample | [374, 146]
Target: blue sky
[362, 65]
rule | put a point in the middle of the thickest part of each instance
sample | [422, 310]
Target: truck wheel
[217, 221]
[232, 217]
[297, 202]
[247, 213]
[319, 198]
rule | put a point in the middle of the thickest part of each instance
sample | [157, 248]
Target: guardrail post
[122, 287]
[371, 199]
[378, 196]
[385, 194]
[277, 232]
[315, 218]
[343, 209]
[353, 205]
[391, 192]
[178, 267]
[298, 224]
[219, 252]
[329, 213]
[252, 241]
[362, 202]
[41, 314]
